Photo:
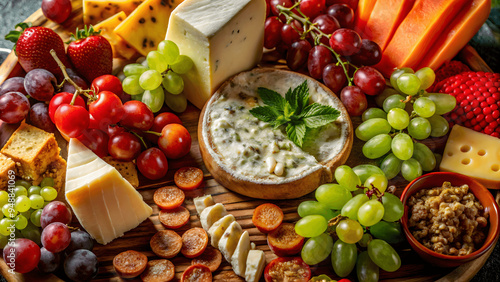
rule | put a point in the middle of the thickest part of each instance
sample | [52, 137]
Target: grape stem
[153, 132]
[140, 138]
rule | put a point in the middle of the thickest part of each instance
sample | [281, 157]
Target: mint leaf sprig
[293, 111]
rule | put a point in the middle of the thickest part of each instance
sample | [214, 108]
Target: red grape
[81, 265]
[159, 122]
[107, 82]
[290, 32]
[79, 240]
[268, 8]
[297, 54]
[284, 3]
[63, 98]
[124, 146]
[137, 115]
[351, 3]
[107, 109]
[55, 211]
[319, 57]
[175, 141]
[68, 87]
[334, 77]
[369, 54]
[327, 25]
[345, 42]
[343, 13]
[71, 120]
[354, 100]
[56, 237]
[13, 84]
[272, 32]
[21, 255]
[14, 107]
[312, 8]
[49, 261]
[114, 129]
[370, 80]
[40, 84]
[39, 117]
[96, 140]
[152, 163]
[56, 10]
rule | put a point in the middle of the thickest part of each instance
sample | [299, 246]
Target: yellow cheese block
[120, 46]
[147, 25]
[95, 11]
[473, 154]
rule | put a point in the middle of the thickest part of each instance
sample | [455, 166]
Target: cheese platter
[227, 194]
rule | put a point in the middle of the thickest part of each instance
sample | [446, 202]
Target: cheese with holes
[147, 25]
[120, 46]
[474, 154]
[211, 214]
[105, 204]
[222, 37]
[239, 258]
[200, 203]
[256, 261]
[218, 228]
[95, 11]
[230, 239]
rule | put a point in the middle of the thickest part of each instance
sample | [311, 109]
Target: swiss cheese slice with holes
[211, 214]
[229, 240]
[218, 229]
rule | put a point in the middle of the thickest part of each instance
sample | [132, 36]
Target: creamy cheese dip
[253, 150]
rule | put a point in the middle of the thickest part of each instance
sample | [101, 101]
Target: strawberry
[33, 45]
[448, 69]
[90, 53]
[478, 100]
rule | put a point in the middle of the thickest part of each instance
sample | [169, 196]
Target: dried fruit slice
[166, 243]
[130, 264]
[211, 257]
[160, 270]
[174, 218]
[267, 217]
[197, 273]
[284, 241]
[168, 197]
[194, 242]
[188, 178]
[287, 269]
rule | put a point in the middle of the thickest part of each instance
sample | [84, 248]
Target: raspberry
[478, 100]
[450, 69]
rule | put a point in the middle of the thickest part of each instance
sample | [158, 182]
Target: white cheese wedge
[229, 240]
[222, 37]
[211, 214]
[200, 203]
[255, 265]
[239, 258]
[103, 201]
[218, 228]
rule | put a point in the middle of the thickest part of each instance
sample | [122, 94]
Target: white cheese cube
[255, 265]
[218, 229]
[229, 240]
[239, 258]
[211, 214]
[200, 203]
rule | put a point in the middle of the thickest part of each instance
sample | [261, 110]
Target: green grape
[424, 107]
[173, 83]
[47, 181]
[314, 208]
[134, 69]
[378, 181]
[393, 207]
[394, 101]
[34, 190]
[24, 183]
[32, 232]
[5, 226]
[426, 76]
[333, 196]
[365, 240]
[371, 128]
[20, 191]
[349, 231]
[21, 222]
[439, 126]
[383, 255]
[311, 226]
[350, 209]
[388, 231]
[377, 146]
[46, 203]
[424, 156]
[23, 203]
[373, 113]
[346, 177]
[182, 65]
[366, 269]
[169, 50]
[379, 99]
[438, 157]
[9, 211]
[344, 257]
[35, 217]
[177, 103]
[391, 166]
[396, 74]
[48, 193]
[137, 97]
[370, 212]
[364, 171]
[398, 118]
[156, 61]
[419, 128]
[154, 99]
[317, 249]
[408, 83]
[411, 169]
[4, 198]
[3, 241]
[36, 201]
[150, 80]
[131, 85]
[402, 146]
[444, 102]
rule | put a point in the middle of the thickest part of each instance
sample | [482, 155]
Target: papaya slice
[362, 14]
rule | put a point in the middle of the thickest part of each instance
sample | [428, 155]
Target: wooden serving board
[412, 269]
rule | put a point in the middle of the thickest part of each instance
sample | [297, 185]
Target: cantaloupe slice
[362, 14]
[457, 34]
[385, 18]
[417, 32]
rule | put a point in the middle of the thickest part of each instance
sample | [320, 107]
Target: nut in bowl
[486, 208]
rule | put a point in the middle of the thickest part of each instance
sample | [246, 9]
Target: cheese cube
[239, 258]
[218, 228]
[200, 203]
[120, 47]
[222, 37]
[229, 240]
[211, 214]
[473, 154]
[95, 11]
[255, 265]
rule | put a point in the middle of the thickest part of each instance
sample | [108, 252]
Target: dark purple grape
[49, 261]
[68, 87]
[14, 107]
[40, 84]
[370, 80]
[319, 57]
[13, 84]
[327, 25]
[369, 54]
[334, 77]
[297, 54]
[345, 42]
[81, 265]
[354, 100]
[351, 3]
[39, 117]
[343, 13]
[80, 240]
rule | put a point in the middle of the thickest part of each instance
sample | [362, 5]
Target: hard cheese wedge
[120, 46]
[103, 201]
[222, 38]
[146, 26]
[230, 239]
[218, 228]
[239, 258]
[255, 265]
[200, 203]
[211, 214]
[474, 154]
[95, 11]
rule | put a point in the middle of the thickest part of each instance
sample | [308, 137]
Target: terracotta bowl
[436, 179]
